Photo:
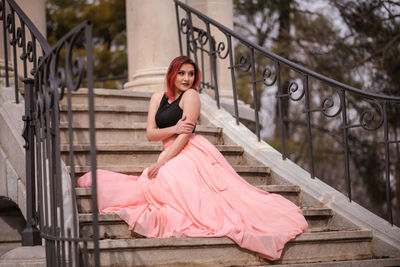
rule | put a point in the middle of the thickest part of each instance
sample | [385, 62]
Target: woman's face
[185, 78]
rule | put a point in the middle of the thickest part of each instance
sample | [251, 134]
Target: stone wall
[12, 153]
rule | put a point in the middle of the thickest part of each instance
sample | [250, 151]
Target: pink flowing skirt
[199, 194]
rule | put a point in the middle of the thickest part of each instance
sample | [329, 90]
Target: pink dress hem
[199, 194]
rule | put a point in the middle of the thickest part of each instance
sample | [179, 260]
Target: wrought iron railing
[211, 82]
[195, 30]
[55, 71]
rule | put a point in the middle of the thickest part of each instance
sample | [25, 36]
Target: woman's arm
[156, 134]
[191, 109]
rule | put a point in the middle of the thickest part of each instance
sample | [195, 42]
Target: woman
[192, 190]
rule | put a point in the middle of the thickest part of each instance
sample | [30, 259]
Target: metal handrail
[378, 103]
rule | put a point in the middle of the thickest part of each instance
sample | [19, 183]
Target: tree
[363, 53]
[374, 28]
[109, 31]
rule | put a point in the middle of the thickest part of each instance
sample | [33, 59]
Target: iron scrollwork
[53, 79]
[327, 104]
[198, 39]
[29, 51]
[243, 65]
[269, 76]
[202, 37]
[10, 23]
[367, 117]
[27, 120]
[293, 87]
[19, 39]
[220, 48]
[267, 73]
[76, 70]
[184, 26]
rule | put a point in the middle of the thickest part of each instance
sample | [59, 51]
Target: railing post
[13, 43]
[308, 117]
[235, 97]
[31, 234]
[387, 164]
[93, 158]
[254, 85]
[179, 30]
[345, 143]
[279, 99]
[5, 43]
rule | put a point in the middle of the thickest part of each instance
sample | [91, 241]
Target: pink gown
[198, 194]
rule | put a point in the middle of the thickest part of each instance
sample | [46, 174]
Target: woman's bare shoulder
[157, 96]
[191, 98]
[191, 93]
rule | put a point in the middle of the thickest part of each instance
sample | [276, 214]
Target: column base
[151, 80]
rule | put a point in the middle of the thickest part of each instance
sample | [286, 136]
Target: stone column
[222, 12]
[152, 43]
[36, 12]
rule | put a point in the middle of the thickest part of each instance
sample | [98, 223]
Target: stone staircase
[122, 146]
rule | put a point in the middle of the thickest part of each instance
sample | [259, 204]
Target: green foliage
[109, 31]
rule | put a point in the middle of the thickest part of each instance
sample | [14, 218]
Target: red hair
[173, 70]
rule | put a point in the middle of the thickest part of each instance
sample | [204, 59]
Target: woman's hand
[153, 170]
[183, 126]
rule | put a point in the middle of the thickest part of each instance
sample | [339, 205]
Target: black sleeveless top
[168, 114]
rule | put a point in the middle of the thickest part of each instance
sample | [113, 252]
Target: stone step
[291, 192]
[127, 133]
[7, 246]
[112, 226]
[112, 107]
[351, 263]
[109, 97]
[105, 115]
[255, 175]
[319, 219]
[10, 79]
[308, 247]
[135, 154]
